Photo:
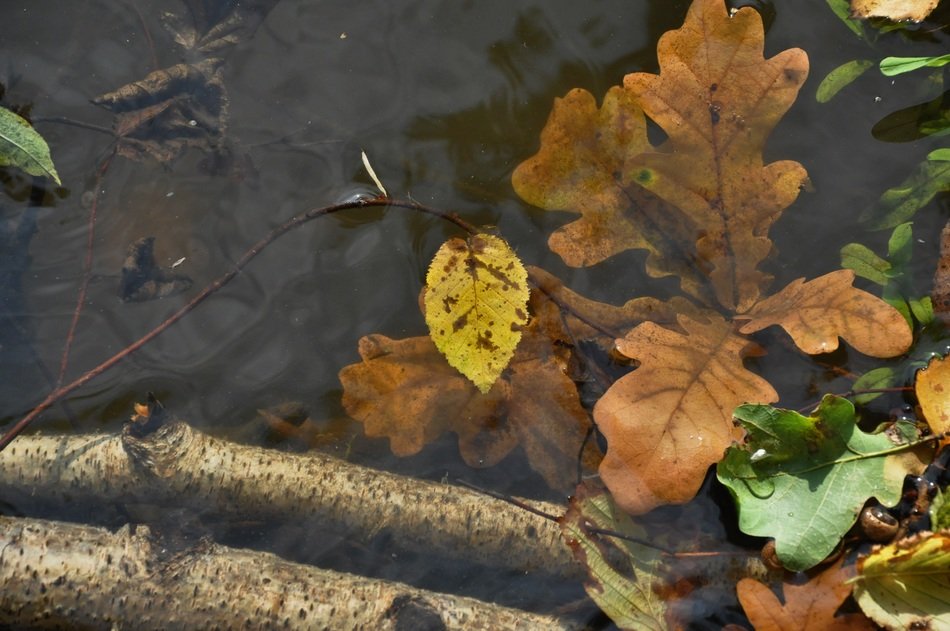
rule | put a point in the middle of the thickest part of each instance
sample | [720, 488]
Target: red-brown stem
[294, 222]
[86, 269]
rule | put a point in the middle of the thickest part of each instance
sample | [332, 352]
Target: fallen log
[58, 575]
[176, 465]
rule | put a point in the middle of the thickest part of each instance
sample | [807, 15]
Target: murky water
[446, 98]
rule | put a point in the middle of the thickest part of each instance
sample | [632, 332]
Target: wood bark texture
[57, 575]
[179, 466]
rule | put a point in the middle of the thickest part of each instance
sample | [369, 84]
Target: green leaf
[891, 66]
[476, 304]
[865, 263]
[939, 155]
[22, 147]
[842, 8]
[940, 512]
[883, 377]
[900, 246]
[841, 77]
[899, 204]
[923, 309]
[621, 573]
[906, 585]
[802, 480]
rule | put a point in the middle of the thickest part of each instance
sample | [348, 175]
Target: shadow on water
[446, 99]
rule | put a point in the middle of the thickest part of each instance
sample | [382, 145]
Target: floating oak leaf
[895, 10]
[932, 387]
[807, 606]
[584, 166]
[718, 98]
[670, 419]
[476, 304]
[816, 313]
[170, 110]
[906, 585]
[406, 391]
[802, 480]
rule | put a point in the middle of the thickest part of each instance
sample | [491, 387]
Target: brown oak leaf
[809, 606]
[703, 201]
[670, 419]
[406, 391]
[815, 313]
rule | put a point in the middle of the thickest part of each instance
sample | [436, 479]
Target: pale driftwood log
[180, 466]
[57, 575]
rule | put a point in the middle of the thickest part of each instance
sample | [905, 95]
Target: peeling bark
[56, 575]
[179, 466]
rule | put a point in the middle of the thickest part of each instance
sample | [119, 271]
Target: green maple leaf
[803, 479]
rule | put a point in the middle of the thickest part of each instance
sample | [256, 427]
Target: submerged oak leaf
[817, 312]
[405, 390]
[718, 98]
[476, 303]
[670, 419]
[809, 605]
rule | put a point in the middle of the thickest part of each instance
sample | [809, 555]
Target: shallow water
[446, 98]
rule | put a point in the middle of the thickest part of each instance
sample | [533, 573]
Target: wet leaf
[670, 419]
[703, 200]
[842, 9]
[405, 390]
[895, 10]
[906, 585]
[143, 279]
[803, 480]
[816, 313]
[892, 66]
[899, 204]
[917, 121]
[621, 573]
[214, 27]
[933, 394]
[476, 305]
[22, 147]
[841, 77]
[881, 377]
[171, 110]
[809, 606]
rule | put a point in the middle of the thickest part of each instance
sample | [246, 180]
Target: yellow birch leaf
[933, 394]
[816, 313]
[476, 305]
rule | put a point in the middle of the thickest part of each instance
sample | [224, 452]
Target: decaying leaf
[895, 10]
[809, 606]
[670, 419]
[803, 480]
[214, 26]
[23, 147]
[621, 573]
[476, 304]
[703, 200]
[906, 585]
[816, 313]
[143, 279]
[406, 391]
[933, 394]
[898, 204]
[171, 110]
[940, 295]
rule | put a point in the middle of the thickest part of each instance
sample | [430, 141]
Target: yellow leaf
[933, 394]
[896, 10]
[667, 421]
[817, 312]
[476, 305]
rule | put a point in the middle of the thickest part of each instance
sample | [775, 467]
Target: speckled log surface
[179, 466]
[57, 575]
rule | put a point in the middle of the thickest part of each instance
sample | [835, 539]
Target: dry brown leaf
[703, 201]
[941, 291]
[933, 393]
[808, 607]
[406, 391]
[816, 313]
[896, 10]
[670, 419]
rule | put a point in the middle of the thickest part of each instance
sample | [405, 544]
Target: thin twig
[86, 268]
[292, 223]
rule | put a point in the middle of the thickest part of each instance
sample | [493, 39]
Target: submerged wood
[179, 466]
[57, 575]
